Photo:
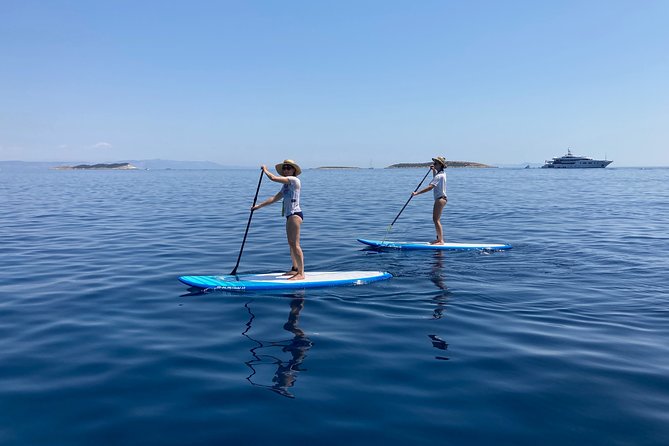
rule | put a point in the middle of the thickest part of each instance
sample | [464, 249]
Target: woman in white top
[290, 192]
[438, 186]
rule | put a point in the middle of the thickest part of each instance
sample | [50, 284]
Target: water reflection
[439, 344]
[287, 356]
[438, 277]
[439, 302]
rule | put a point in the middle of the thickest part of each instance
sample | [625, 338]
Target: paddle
[405, 204]
[234, 271]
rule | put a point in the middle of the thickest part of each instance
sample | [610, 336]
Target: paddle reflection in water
[274, 352]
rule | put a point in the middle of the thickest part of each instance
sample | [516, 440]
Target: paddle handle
[410, 197]
[248, 225]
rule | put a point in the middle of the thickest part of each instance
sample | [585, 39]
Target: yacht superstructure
[570, 161]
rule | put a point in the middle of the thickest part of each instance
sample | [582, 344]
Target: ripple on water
[561, 340]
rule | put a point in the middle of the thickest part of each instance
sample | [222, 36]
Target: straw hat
[292, 163]
[440, 159]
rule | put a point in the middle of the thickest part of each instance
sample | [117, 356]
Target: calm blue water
[562, 340]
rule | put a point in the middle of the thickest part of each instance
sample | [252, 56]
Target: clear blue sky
[334, 82]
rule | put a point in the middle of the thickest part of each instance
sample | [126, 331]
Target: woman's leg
[293, 269]
[293, 225]
[436, 218]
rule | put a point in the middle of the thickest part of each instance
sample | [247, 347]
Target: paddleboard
[427, 246]
[278, 281]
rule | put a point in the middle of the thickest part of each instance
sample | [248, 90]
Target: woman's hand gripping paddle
[234, 271]
[405, 204]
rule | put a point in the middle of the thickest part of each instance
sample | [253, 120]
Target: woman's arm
[270, 200]
[275, 178]
[429, 186]
[427, 189]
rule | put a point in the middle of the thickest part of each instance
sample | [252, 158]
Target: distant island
[448, 164]
[110, 166]
[149, 164]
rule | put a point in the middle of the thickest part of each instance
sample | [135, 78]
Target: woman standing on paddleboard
[290, 192]
[438, 185]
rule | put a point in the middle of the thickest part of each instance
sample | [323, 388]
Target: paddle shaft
[410, 197]
[246, 233]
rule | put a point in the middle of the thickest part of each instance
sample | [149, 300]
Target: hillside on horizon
[155, 164]
[448, 164]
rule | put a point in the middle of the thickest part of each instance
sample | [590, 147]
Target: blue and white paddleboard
[278, 281]
[427, 246]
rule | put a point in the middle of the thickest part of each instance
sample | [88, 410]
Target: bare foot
[292, 272]
[297, 276]
[437, 242]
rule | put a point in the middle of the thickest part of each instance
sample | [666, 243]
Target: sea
[562, 340]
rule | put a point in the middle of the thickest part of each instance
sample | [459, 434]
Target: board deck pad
[279, 281]
[449, 246]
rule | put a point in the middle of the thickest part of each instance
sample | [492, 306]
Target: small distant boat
[527, 167]
[570, 161]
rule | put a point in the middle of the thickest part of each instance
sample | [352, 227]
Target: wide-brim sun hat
[440, 159]
[279, 167]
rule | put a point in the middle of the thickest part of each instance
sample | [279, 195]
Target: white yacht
[570, 161]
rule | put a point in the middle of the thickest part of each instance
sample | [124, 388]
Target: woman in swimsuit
[290, 192]
[438, 186]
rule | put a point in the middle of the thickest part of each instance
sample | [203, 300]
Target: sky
[364, 83]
